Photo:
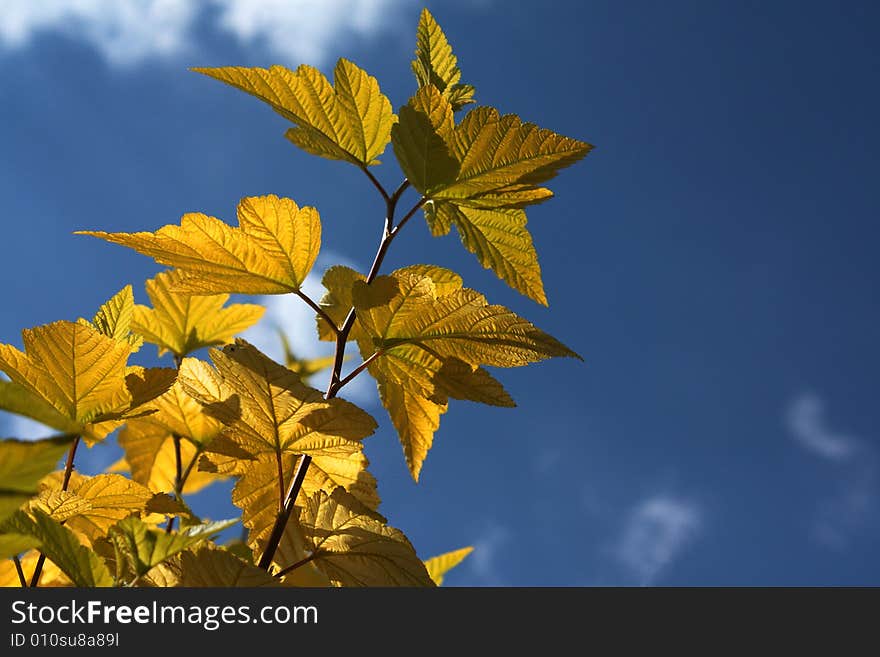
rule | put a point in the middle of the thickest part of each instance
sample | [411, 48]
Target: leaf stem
[65, 481]
[375, 182]
[21, 578]
[389, 232]
[178, 477]
[360, 368]
[301, 562]
[284, 514]
[317, 308]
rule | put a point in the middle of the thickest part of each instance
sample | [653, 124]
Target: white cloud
[483, 560]
[840, 516]
[128, 32]
[805, 419]
[656, 532]
[123, 31]
[289, 314]
[303, 30]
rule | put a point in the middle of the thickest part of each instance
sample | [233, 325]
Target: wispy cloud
[805, 419]
[483, 561]
[656, 533]
[841, 515]
[128, 32]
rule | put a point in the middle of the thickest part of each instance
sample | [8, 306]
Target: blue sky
[714, 259]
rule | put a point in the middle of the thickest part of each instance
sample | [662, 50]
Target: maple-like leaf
[441, 564]
[355, 546]
[150, 455]
[23, 463]
[436, 65]
[114, 318]
[349, 121]
[479, 175]
[63, 548]
[182, 323]
[337, 301]
[500, 240]
[91, 505]
[82, 374]
[208, 566]
[270, 252]
[141, 547]
[268, 409]
[428, 338]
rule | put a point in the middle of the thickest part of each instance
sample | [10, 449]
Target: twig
[68, 471]
[284, 514]
[21, 578]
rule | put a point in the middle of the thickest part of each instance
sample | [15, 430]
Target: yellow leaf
[497, 151]
[500, 241]
[15, 398]
[431, 336]
[270, 252]
[436, 65]
[355, 547]
[75, 368]
[176, 412]
[60, 504]
[304, 367]
[268, 409]
[149, 452]
[110, 497]
[259, 493]
[23, 463]
[180, 323]
[441, 564]
[113, 319]
[209, 566]
[337, 301]
[350, 121]
[421, 142]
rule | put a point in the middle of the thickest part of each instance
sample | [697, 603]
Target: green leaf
[143, 547]
[14, 544]
[22, 465]
[63, 548]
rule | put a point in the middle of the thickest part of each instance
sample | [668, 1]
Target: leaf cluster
[309, 504]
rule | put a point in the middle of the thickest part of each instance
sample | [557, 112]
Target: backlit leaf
[355, 547]
[143, 547]
[441, 564]
[181, 323]
[270, 252]
[436, 65]
[349, 121]
[209, 566]
[268, 409]
[22, 465]
[113, 318]
[58, 543]
[15, 544]
[432, 336]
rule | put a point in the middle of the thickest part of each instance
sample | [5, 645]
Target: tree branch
[314, 306]
[301, 562]
[21, 578]
[375, 182]
[360, 368]
[284, 514]
[68, 471]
